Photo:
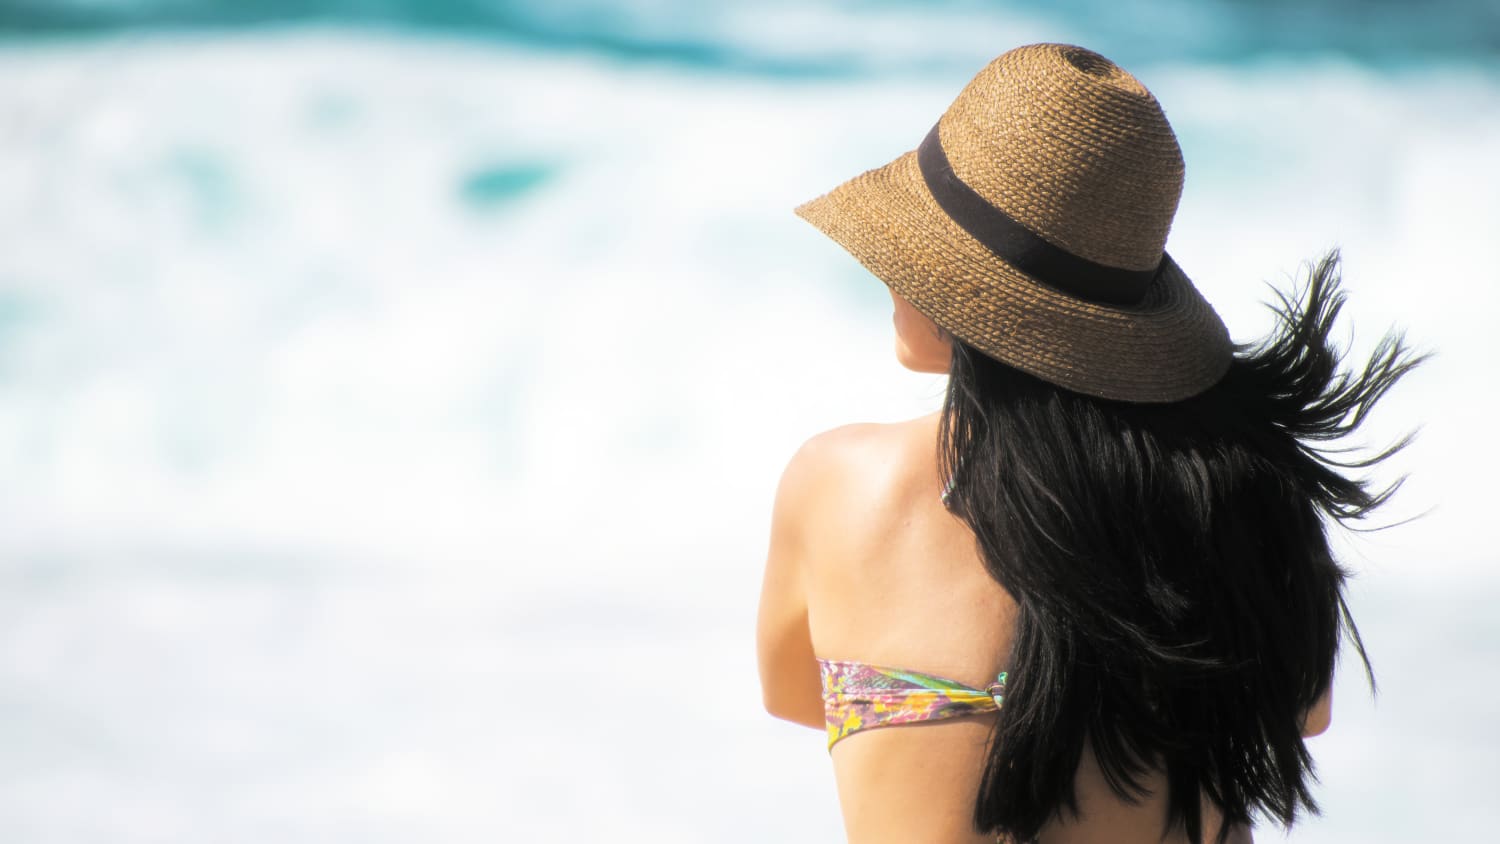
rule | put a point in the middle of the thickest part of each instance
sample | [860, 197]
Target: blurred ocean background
[392, 393]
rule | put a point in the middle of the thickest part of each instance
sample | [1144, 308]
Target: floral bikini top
[858, 696]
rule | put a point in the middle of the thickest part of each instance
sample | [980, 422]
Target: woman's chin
[917, 363]
[905, 357]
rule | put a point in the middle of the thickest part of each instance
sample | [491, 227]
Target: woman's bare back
[894, 579]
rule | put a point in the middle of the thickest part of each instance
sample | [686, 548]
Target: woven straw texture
[1077, 150]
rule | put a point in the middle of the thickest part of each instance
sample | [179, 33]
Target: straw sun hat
[1031, 224]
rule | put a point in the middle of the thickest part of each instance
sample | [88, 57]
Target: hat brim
[1170, 346]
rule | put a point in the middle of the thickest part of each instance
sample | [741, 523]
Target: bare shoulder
[856, 465]
[851, 450]
[838, 448]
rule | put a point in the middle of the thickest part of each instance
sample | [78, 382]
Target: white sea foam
[390, 427]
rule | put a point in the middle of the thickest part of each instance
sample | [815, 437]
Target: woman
[1093, 594]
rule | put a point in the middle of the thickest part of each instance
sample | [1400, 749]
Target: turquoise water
[390, 403]
[843, 36]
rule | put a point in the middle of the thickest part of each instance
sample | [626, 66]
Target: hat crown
[1074, 148]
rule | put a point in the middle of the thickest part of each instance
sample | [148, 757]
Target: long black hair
[1179, 607]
